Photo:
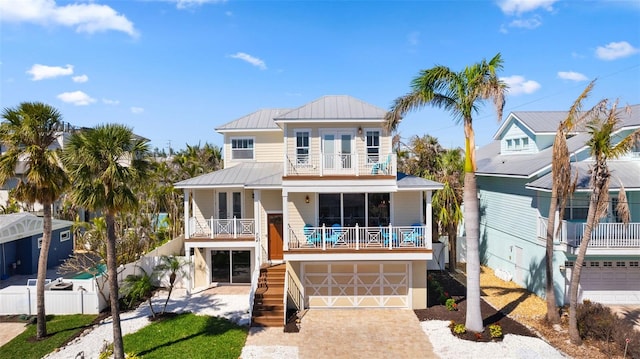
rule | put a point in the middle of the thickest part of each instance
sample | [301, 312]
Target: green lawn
[59, 329]
[188, 336]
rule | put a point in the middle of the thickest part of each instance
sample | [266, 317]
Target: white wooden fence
[85, 297]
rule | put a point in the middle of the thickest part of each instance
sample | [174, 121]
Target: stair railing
[293, 288]
[256, 274]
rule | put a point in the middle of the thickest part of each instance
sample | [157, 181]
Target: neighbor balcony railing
[359, 238]
[231, 228]
[603, 235]
[340, 164]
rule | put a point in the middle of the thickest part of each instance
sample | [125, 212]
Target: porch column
[285, 219]
[257, 225]
[428, 220]
[187, 193]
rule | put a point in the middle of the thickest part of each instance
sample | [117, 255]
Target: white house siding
[267, 147]
[508, 234]
[200, 278]
[406, 208]
[300, 213]
[247, 204]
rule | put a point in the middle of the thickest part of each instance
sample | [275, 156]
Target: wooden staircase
[268, 305]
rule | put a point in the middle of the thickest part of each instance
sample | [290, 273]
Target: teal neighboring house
[514, 185]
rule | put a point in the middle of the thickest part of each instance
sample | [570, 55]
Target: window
[568, 264]
[373, 146]
[620, 264]
[237, 204]
[577, 208]
[65, 236]
[302, 147]
[518, 144]
[633, 264]
[222, 205]
[607, 264]
[509, 144]
[594, 264]
[525, 143]
[242, 148]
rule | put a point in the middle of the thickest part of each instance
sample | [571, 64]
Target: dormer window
[242, 148]
[517, 144]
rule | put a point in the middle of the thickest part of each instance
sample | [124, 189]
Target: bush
[457, 328]
[495, 330]
[451, 304]
[596, 321]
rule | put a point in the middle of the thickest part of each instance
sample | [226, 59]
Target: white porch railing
[604, 235]
[557, 237]
[256, 274]
[359, 238]
[340, 164]
[231, 228]
[610, 235]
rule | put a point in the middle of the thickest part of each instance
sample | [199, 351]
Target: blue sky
[175, 70]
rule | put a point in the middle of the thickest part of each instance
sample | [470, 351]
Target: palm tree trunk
[118, 345]
[550, 294]
[41, 329]
[472, 229]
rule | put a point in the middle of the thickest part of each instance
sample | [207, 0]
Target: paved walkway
[344, 333]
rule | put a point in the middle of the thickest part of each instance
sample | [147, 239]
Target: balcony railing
[359, 238]
[340, 164]
[228, 228]
[604, 235]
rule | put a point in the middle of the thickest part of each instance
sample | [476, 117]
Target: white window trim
[65, 236]
[380, 152]
[295, 144]
[253, 152]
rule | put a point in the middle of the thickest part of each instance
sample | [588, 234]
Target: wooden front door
[275, 236]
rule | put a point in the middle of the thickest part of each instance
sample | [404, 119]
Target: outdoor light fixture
[306, 199]
[359, 130]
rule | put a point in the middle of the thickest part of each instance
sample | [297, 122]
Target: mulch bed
[457, 291]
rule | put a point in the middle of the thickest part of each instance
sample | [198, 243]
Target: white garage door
[365, 284]
[611, 282]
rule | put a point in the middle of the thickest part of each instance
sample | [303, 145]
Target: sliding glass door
[230, 266]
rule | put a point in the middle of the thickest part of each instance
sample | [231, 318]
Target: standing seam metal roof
[336, 107]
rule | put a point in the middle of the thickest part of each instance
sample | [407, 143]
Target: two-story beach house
[311, 212]
[514, 182]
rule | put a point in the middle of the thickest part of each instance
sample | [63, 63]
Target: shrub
[457, 328]
[495, 330]
[451, 304]
[595, 321]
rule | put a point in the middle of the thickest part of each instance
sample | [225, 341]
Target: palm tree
[104, 163]
[139, 287]
[173, 266]
[28, 133]
[561, 188]
[458, 93]
[602, 148]
[446, 201]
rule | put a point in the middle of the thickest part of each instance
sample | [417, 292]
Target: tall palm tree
[104, 163]
[561, 188]
[459, 94]
[29, 132]
[602, 147]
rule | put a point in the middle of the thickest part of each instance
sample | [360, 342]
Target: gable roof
[16, 226]
[490, 162]
[626, 173]
[259, 120]
[335, 107]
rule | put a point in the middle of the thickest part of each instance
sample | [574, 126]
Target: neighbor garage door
[364, 284]
[611, 282]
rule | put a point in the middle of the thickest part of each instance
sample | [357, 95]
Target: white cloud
[41, 72]
[518, 85]
[250, 59]
[511, 7]
[80, 78]
[414, 38]
[107, 101]
[572, 76]
[87, 17]
[137, 110]
[77, 98]
[183, 4]
[615, 50]
[530, 23]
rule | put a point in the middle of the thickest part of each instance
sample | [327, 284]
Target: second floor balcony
[332, 164]
[605, 237]
[233, 228]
